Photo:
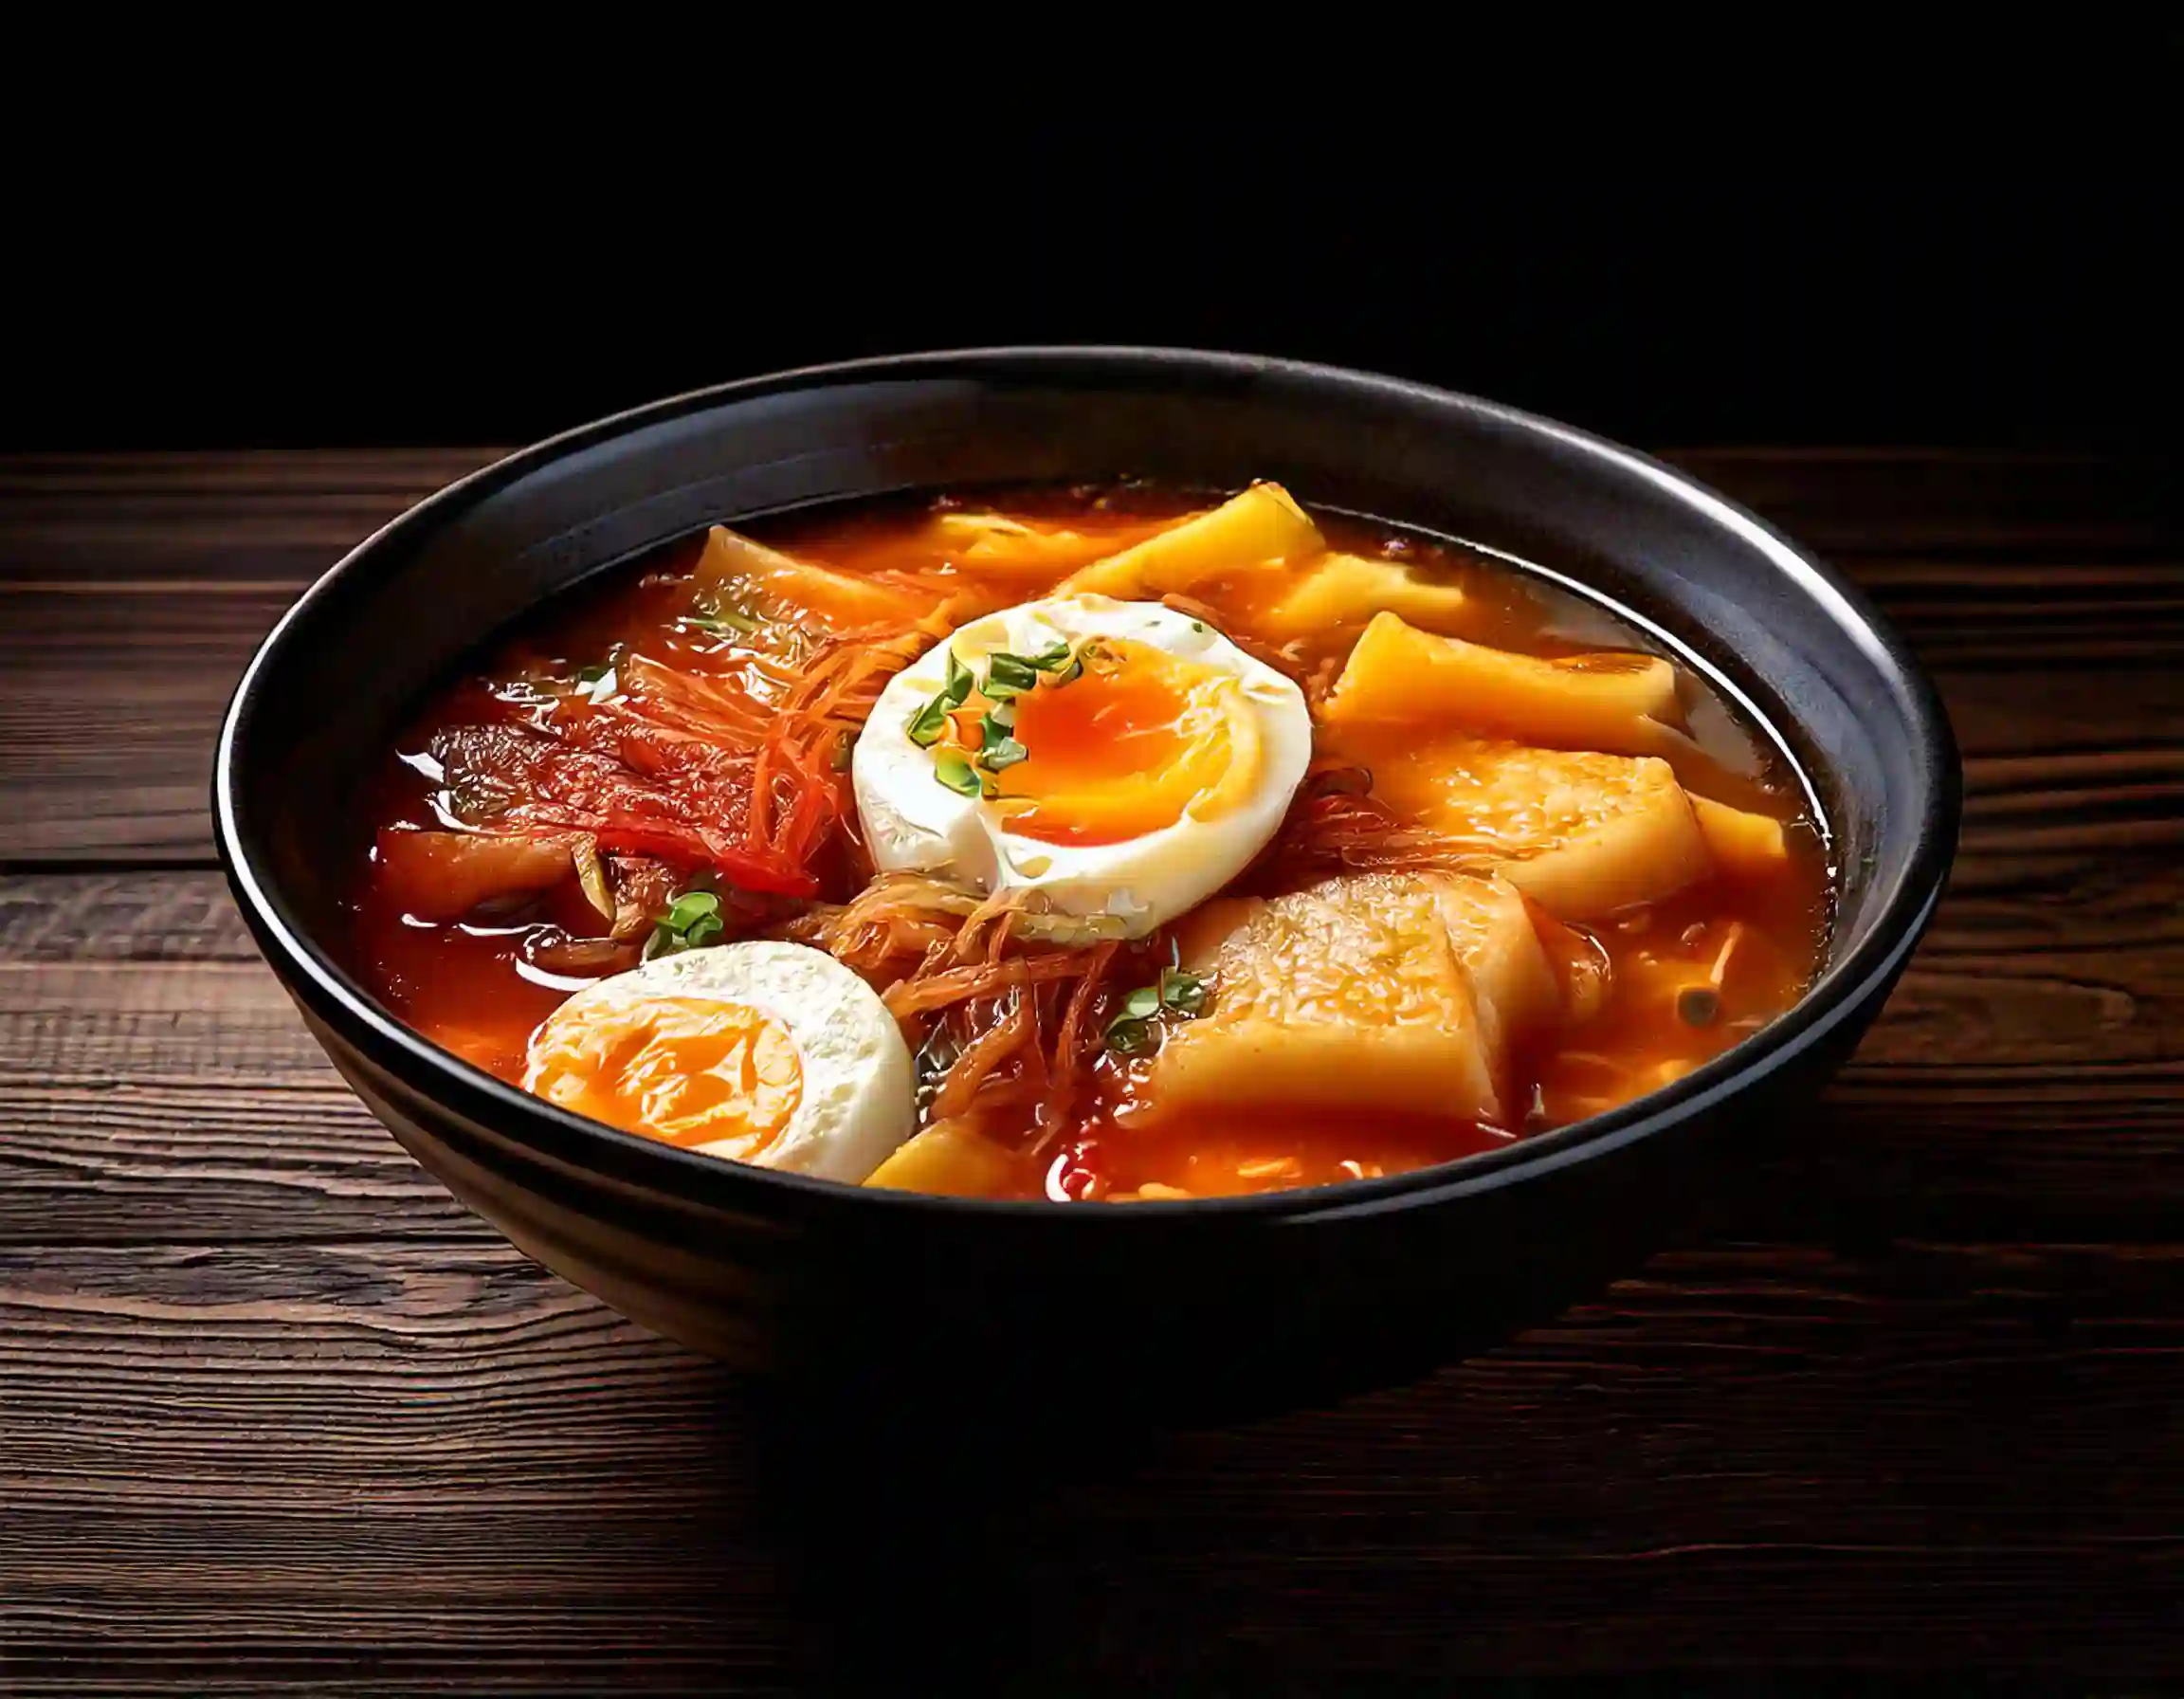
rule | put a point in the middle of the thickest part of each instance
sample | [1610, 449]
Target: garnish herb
[720, 620]
[1137, 1026]
[926, 724]
[711, 611]
[599, 680]
[952, 767]
[1009, 675]
[955, 683]
[692, 921]
[1184, 994]
[1142, 1004]
[997, 748]
[720, 624]
[1132, 1037]
[1006, 677]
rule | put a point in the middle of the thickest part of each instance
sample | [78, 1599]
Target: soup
[1090, 845]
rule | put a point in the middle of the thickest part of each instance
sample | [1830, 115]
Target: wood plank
[432, 1459]
[204, 518]
[106, 735]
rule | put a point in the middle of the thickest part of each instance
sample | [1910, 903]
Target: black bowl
[1176, 1309]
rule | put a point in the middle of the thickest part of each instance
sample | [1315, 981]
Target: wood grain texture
[275, 1412]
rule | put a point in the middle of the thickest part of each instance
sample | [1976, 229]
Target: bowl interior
[1774, 630]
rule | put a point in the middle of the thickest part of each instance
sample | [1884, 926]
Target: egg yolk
[1138, 741]
[685, 1070]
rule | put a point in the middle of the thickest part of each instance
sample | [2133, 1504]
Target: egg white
[914, 823]
[857, 1102]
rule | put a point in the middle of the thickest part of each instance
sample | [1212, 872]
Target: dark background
[2012, 279]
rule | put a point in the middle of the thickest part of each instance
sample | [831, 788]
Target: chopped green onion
[1052, 658]
[600, 680]
[712, 611]
[997, 748]
[1132, 1037]
[926, 724]
[1070, 673]
[693, 921]
[956, 683]
[691, 908]
[1135, 1028]
[1142, 1003]
[1007, 675]
[1182, 994]
[953, 769]
[722, 622]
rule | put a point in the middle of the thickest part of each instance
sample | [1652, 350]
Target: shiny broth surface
[542, 823]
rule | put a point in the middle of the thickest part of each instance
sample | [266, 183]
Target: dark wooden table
[273, 1409]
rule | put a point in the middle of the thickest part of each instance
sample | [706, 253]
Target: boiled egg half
[769, 1053]
[1122, 758]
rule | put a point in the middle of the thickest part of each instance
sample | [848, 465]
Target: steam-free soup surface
[1462, 897]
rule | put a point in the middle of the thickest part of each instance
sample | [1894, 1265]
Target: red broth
[1688, 977]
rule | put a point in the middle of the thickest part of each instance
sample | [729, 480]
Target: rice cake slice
[1746, 845]
[1614, 700]
[1352, 590]
[1260, 528]
[1582, 833]
[1395, 992]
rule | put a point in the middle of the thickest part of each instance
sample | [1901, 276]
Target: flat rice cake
[1581, 834]
[1261, 528]
[1352, 590]
[1617, 701]
[1397, 992]
[1745, 845]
